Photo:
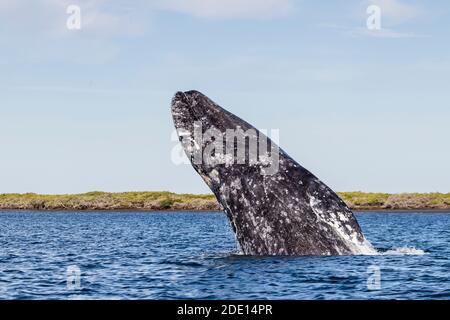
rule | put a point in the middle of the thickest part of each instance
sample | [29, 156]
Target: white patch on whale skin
[214, 175]
[253, 220]
[349, 236]
[236, 185]
[342, 217]
[183, 132]
[225, 192]
[265, 232]
[226, 159]
[196, 146]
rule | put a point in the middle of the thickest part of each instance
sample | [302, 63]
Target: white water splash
[364, 248]
[337, 221]
[404, 251]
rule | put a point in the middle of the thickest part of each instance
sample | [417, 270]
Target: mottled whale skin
[290, 212]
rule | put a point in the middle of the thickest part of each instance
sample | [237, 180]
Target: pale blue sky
[89, 110]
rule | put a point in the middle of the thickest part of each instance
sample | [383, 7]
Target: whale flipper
[276, 207]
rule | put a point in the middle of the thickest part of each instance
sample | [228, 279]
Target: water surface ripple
[176, 255]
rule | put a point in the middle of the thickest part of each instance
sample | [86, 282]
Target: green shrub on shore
[166, 203]
[400, 201]
[364, 199]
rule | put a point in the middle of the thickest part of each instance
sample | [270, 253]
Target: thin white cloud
[227, 9]
[37, 30]
[364, 32]
[98, 17]
[125, 18]
[384, 33]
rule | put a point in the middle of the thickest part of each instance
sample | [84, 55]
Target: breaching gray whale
[275, 206]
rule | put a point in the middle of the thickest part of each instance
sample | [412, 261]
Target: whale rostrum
[275, 206]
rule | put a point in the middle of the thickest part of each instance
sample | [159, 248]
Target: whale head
[214, 138]
[193, 107]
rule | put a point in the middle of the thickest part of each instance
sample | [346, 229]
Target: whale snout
[187, 98]
[188, 107]
[179, 97]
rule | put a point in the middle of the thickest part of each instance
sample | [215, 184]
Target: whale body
[274, 205]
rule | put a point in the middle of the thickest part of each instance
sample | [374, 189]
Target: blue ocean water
[179, 255]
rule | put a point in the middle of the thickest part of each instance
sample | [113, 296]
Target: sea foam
[404, 251]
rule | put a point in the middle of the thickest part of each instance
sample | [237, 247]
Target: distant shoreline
[425, 211]
[168, 201]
